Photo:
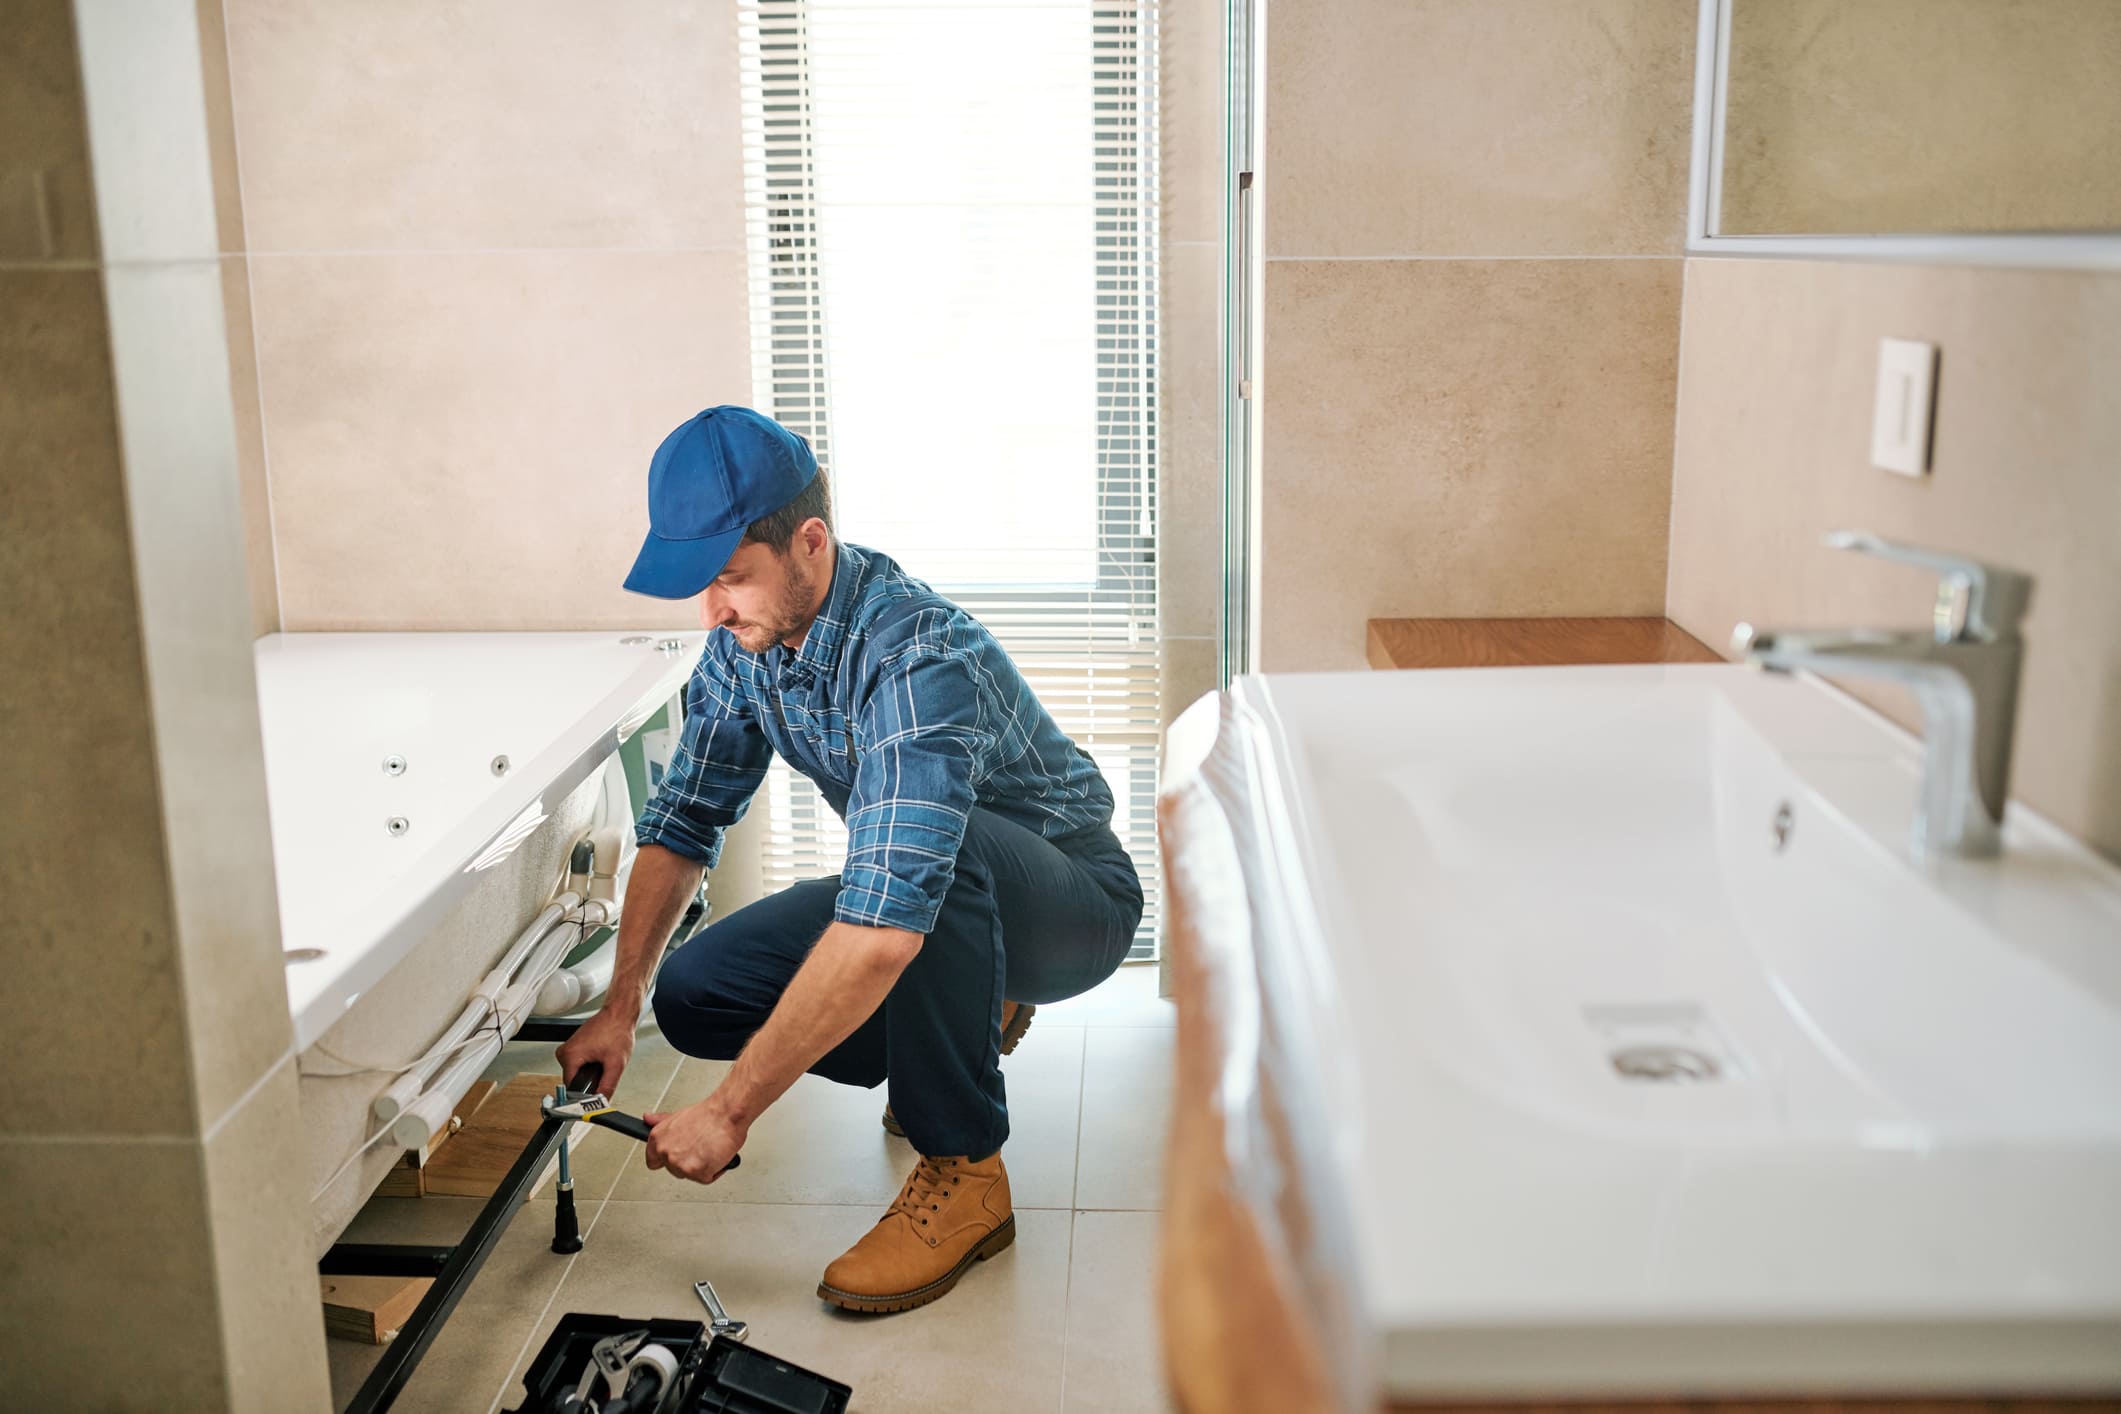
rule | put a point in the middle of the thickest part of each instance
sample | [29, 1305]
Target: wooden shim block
[480, 1155]
[401, 1180]
[476, 1096]
[408, 1177]
[1491, 643]
[370, 1309]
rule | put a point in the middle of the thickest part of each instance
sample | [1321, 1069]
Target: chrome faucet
[1963, 671]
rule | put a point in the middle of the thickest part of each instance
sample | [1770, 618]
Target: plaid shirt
[905, 712]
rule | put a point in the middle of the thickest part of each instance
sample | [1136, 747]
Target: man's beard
[790, 616]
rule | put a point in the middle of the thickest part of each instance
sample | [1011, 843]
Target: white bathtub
[383, 762]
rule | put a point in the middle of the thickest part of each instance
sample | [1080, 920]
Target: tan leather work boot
[952, 1213]
[1016, 1020]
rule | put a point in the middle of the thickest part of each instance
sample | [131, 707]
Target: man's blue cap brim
[681, 569]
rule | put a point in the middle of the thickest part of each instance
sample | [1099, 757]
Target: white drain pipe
[480, 1005]
[428, 1114]
[585, 983]
[579, 984]
[527, 979]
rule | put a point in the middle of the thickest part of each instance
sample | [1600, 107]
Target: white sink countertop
[1520, 900]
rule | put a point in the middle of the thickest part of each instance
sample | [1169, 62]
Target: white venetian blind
[952, 216]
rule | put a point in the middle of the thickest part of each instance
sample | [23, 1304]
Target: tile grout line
[212, 1131]
[250, 304]
[1557, 259]
[1067, 1311]
[1082, 1088]
[535, 1326]
[385, 252]
[620, 1174]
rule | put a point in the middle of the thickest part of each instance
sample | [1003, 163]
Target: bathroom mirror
[1924, 129]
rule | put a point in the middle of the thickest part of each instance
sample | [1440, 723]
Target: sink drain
[1666, 1065]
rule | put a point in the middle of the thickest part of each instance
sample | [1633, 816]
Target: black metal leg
[403, 1355]
[454, 1267]
[384, 1259]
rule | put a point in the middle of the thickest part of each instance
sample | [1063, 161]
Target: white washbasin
[1520, 897]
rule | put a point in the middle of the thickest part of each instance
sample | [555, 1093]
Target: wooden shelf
[1531, 643]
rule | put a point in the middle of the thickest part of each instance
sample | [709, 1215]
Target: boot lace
[932, 1180]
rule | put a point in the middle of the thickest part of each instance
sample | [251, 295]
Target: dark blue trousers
[1024, 919]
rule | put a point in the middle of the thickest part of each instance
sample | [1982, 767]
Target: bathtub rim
[439, 878]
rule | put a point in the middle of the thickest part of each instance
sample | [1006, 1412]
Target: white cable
[478, 1009]
[437, 1052]
[420, 1119]
[340, 1172]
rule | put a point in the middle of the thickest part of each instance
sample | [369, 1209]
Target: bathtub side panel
[400, 1016]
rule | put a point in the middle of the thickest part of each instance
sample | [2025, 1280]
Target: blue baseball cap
[711, 478]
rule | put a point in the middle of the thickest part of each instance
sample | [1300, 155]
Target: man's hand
[696, 1142]
[606, 1039]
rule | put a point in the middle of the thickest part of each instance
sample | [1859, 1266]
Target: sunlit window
[952, 223]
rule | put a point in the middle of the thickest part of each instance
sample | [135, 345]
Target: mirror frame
[2039, 250]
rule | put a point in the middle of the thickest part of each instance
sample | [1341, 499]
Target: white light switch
[1900, 422]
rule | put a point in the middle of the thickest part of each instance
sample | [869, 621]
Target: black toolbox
[714, 1376]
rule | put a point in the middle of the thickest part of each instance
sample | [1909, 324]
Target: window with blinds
[952, 227]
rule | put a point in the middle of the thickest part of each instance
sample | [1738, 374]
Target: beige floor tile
[1045, 1111]
[1114, 1364]
[1126, 1112]
[350, 1362]
[822, 1143]
[430, 1222]
[995, 1343]
[1127, 998]
[483, 1338]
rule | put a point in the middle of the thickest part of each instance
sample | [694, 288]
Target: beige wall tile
[272, 1329]
[1189, 530]
[406, 126]
[47, 200]
[84, 875]
[104, 1231]
[258, 553]
[1190, 118]
[1773, 450]
[1461, 438]
[220, 125]
[1923, 115]
[462, 441]
[1478, 127]
[1191, 669]
[169, 354]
